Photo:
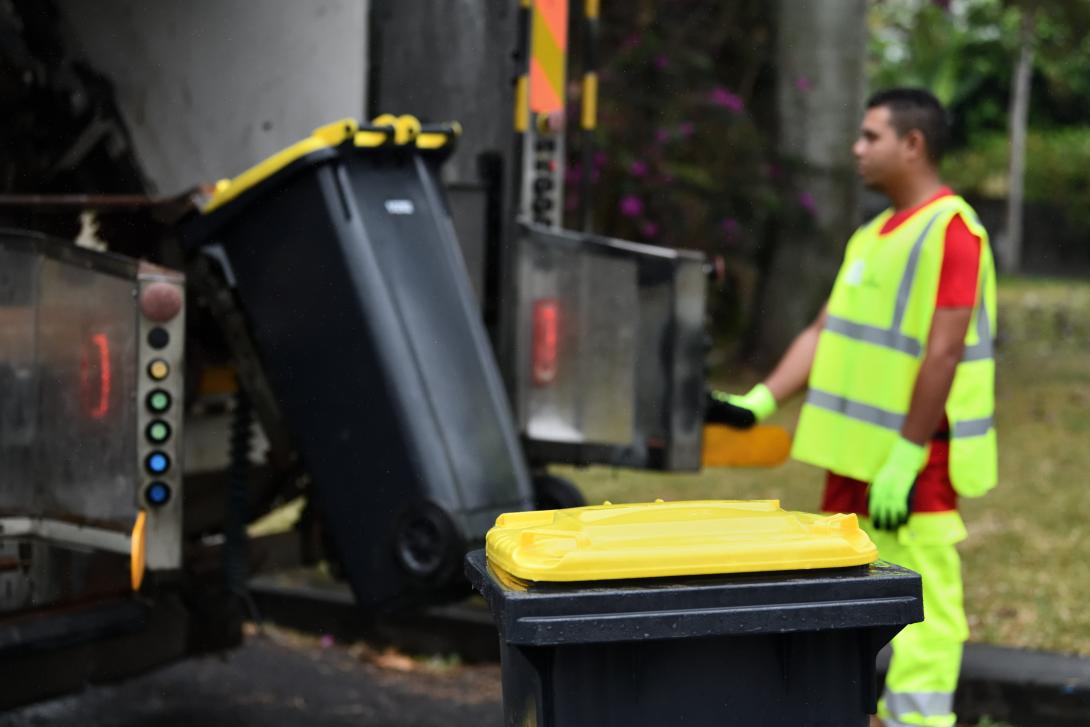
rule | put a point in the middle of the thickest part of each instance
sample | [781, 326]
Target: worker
[899, 374]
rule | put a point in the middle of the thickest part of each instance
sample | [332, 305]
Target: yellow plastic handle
[138, 550]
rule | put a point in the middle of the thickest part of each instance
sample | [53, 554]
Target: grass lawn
[1026, 563]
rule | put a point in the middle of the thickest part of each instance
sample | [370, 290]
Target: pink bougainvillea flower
[662, 62]
[806, 201]
[631, 206]
[685, 128]
[649, 229]
[804, 84]
[725, 98]
[638, 168]
[600, 159]
[730, 227]
[573, 174]
[662, 136]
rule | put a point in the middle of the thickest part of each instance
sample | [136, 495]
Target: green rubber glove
[757, 405]
[891, 491]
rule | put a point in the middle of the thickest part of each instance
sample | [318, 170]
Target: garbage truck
[345, 320]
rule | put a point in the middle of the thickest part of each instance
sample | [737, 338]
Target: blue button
[157, 493]
[157, 463]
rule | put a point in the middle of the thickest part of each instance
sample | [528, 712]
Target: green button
[159, 400]
[158, 432]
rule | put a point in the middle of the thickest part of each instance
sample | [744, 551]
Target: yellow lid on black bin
[649, 540]
[386, 129]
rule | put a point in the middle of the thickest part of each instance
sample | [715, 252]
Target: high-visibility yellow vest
[873, 344]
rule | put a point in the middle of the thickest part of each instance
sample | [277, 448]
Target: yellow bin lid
[654, 539]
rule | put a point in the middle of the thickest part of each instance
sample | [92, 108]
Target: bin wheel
[426, 541]
[556, 493]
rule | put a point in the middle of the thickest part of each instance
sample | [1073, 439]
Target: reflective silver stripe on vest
[873, 334]
[909, 277]
[925, 704]
[855, 410]
[972, 427]
[982, 349]
[889, 419]
[891, 337]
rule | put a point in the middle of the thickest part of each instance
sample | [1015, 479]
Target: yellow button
[158, 369]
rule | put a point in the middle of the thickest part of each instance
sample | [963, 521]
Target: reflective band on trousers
[892, 338]
[925, 704]
[888, 419]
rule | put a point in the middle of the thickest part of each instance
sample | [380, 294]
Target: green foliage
[1057, 168]
[965, 54]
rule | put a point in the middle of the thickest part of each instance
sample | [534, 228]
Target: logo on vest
[854, 274]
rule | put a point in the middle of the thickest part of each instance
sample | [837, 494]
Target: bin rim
[879, 595]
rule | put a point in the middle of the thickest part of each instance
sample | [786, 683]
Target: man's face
[880, 154]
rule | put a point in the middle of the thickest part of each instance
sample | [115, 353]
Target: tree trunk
[1010, 258]
[821, 49]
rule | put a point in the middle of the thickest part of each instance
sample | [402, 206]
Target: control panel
[159, 390]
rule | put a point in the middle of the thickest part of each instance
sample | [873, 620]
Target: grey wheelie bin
[689, 613]
[346, 268]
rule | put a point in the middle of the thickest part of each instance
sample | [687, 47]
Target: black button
[158, 338]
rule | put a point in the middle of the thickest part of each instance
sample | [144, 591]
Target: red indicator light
[160, 302]
[546, 338]
[96, 393]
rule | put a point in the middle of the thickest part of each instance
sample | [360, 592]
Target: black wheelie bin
[689, 613]
[345, 264]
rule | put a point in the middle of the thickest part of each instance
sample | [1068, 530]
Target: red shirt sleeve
[960, 267]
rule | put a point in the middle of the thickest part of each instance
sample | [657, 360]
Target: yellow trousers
[923, 673]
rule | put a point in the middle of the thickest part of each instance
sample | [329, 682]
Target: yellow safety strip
[591, 9]
[590, 101]
[522, 104]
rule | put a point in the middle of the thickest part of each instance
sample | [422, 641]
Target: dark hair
[915, 108]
